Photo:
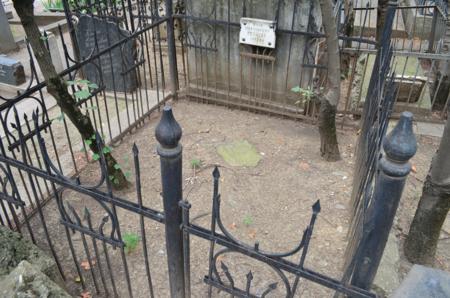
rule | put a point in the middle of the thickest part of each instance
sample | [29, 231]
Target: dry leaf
[414, 169]
[77, 279]
[219, 259]
[233, 226]
[86, 294]
[304, 166]
[85, 264]
[252, 234]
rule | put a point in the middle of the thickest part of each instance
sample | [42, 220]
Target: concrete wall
[212, 66]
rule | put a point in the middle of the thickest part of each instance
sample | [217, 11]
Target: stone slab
[11, 71]
[114, 68]
[430, 129]
[239, 153]
[7, 42]
[424, 282]
[387, 278]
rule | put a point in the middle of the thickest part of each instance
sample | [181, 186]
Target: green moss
[239, 154]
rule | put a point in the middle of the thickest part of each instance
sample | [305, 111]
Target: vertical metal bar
[433, 30]
[216, 175]
[96, 251]
[186, 248]
[171, 49]
[168, 133]
[141, 218]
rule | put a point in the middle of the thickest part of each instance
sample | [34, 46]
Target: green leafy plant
[196, 163]
[131, 241]
[53, 5]
[248, 220]
[306, 94]
[84, 89]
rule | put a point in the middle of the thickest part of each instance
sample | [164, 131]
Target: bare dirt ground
[270, 203]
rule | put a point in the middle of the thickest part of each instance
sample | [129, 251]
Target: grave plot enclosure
[251, 53]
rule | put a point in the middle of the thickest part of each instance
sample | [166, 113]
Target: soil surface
[270, 203]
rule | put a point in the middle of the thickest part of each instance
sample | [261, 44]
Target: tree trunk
[58, 88]
[329, 148]
[381, 17]
[434, 204]
[347, 30]
[442, 85]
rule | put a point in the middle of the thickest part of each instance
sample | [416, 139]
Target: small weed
[248, 220]
[196, 163]
[131, 241]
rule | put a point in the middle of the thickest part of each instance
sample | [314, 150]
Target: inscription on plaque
[116, 66]
[257, 32]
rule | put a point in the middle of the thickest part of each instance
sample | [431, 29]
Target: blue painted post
[168, 133]
[399, 146]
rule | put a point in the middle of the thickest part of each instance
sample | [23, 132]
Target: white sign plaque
[257, 32]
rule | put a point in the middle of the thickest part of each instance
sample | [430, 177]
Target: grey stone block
[424, 282]
[11, 71]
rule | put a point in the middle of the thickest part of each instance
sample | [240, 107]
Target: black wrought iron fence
[419, 35]
[116, 66]
[97, 246]
[118, 75]
[379, 176]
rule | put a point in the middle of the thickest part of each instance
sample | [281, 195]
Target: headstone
[7, 42]
[55, 52]
[8, 6]
[11, 71]
[424, 282]
[115, 66]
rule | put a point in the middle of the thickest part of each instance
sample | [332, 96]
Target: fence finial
[400, 145]
[168, 132]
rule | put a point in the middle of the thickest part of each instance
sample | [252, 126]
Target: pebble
[340, 206]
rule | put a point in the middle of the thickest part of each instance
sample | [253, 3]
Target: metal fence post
[433, 30]
[171, 49]
[399, 146]
[168, 133]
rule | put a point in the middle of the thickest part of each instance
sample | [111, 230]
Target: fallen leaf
[252, 234]
[85, 264]
[219, 259]
[304, 166]
[414, 169]
[77, 279]
[233, 226]
[86, 294]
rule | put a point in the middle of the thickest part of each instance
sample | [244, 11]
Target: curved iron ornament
[302, 245]
[72, 219]
[217, 281]
[7, 182]
[220, 277]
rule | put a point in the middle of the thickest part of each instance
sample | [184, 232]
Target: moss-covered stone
[26, 281]
[14, 248]
[239, 154]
